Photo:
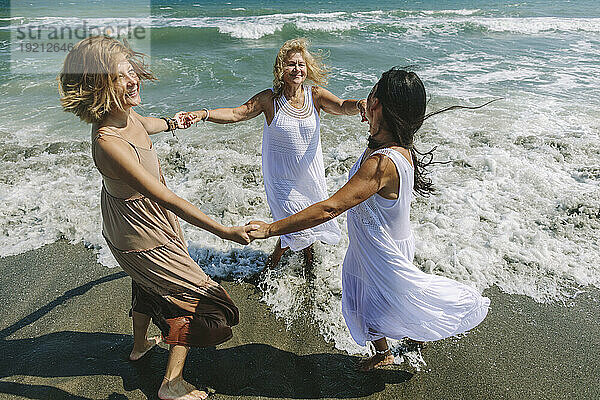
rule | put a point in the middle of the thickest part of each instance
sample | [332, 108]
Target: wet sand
[65, 334]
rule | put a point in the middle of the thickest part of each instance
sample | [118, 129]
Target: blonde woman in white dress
[292, 159]
[383, 293]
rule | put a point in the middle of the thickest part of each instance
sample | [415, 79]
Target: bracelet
[207, 114]
[382, 352]
[171, 125]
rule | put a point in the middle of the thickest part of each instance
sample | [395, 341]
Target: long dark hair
[403, 100]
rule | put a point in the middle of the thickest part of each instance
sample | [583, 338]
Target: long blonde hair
[87, 82]
[316, 70]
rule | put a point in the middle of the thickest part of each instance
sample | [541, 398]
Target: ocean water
[517, 206]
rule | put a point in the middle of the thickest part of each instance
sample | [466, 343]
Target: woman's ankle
[173, 380]
[383, 353]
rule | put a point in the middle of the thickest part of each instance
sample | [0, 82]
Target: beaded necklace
[304, 112]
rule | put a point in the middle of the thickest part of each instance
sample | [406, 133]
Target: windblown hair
[316, 70]
[88, 80]
[403, 99]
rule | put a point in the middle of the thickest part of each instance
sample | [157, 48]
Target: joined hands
[248, 233]
[185, 119]
[240, 234]
[260, 230]
[362, 109]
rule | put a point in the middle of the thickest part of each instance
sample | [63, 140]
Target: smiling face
[294, 71]
[128, 83]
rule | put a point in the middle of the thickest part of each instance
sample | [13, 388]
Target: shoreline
[66, 335]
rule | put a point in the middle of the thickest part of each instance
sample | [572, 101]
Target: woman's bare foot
[178, 389]
[138, 353]
[376, 361]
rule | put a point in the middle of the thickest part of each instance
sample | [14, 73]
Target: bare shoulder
[372, 175]
[260, 100]
[318, 91]
[264, 96]
[378, 161]
[109, 143]
[103, 133]
[317, 95]
[375, 165]
[103, 130]
[406, 153]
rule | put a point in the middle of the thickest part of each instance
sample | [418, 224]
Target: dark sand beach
[65, 334]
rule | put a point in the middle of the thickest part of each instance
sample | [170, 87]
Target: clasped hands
[260, 230]
[362, 109]
[247, 233]
[185, 119]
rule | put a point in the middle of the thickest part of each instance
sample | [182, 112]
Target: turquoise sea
[517, 206]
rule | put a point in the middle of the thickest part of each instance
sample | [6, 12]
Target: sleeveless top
[293, 169]
[377, 212]
[131, 221]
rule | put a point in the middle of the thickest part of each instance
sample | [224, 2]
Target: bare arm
[151, 124]
[250, 109]
[122, 163]
[154, 125]
[332, 104]
[376, 173]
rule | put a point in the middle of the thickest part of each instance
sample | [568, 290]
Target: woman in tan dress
[100, 83]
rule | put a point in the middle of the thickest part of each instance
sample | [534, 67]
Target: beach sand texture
[66, 335]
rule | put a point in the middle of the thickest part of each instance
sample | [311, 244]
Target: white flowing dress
[293, 170]
[384, 294]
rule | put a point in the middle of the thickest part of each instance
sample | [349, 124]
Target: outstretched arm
[376, 173]
[122, 163]
[156, 125]
[332, 104]
[250, 109]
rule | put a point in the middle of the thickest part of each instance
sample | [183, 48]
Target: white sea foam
[452, 26]
[536, 25]
[256, 27]
[450, 12]
[440, 22]
[326, 26]
[68, 182]
[249, 30]
[75, 21]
